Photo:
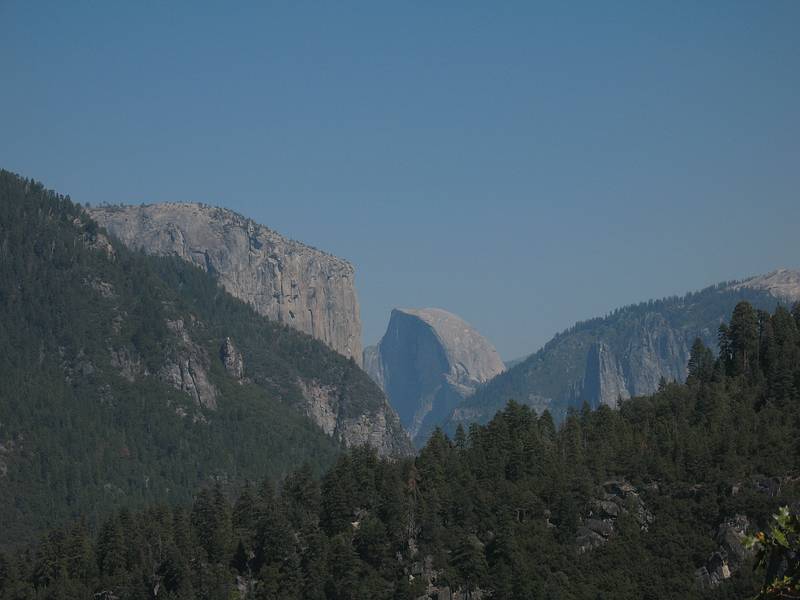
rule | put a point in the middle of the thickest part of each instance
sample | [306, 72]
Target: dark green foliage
[778, 553]
[79, 434]
[701, 363]
[498, 509]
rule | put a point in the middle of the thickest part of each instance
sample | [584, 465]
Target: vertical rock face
[427, 362]
[377, 426]
[653, 350]
[285, 280]
[604, 381]
[624, 353]
[730, 555]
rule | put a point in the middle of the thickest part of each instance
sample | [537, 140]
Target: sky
[525, 165]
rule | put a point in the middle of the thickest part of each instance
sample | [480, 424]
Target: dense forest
[650, 501]
[90, 417]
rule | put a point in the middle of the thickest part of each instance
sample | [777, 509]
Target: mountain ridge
[625, 353]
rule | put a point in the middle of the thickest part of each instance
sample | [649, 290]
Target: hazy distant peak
[781, 283]
[462, 343]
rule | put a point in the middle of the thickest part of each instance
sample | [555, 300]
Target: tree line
[495, 508]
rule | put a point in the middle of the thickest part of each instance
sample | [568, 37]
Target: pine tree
[460, 438]
[744, 338]
[314, 564]
[701, 363]
[469, 564]
[111, 548]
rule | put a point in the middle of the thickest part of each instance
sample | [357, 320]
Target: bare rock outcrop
[729, 556]
[619, 498]
[427, 362]
[232, 359]
[283, 279]
[379, 428]
[781, 283]
[188, 370]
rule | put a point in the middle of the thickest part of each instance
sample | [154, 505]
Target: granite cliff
[143, 371]
[625, 353]
[282, 279]
[429, 361]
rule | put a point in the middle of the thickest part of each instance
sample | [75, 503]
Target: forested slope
[126, 379]
[649, 501]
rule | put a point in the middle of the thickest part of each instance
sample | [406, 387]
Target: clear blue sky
[525, 165]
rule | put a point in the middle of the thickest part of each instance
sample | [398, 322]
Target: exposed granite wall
[285, 280]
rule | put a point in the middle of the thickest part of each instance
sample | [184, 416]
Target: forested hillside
[650, 501]
[127, 380]
[622, 354]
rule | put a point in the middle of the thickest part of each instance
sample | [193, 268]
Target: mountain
[428, 361]
[287, 281]
[127, 378]
[625, 353]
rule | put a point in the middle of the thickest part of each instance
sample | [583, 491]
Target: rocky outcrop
[232, 360]
[618, 498]
[427, 362]
[379, 428]
[127, 363]
[187, 371]
[285, 280]
[729, 556]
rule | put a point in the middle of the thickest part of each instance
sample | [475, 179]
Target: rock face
[188, 370]
[729, 556]
[379, 428]
[619, 498]
[232, 359]
[604, 380]
[427, 362]
[285, 280]
[653, 350]
[625, 353]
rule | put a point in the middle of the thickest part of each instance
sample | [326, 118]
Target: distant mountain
[428, 361]
[623, 354]
[127, 379]
[287, 281]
